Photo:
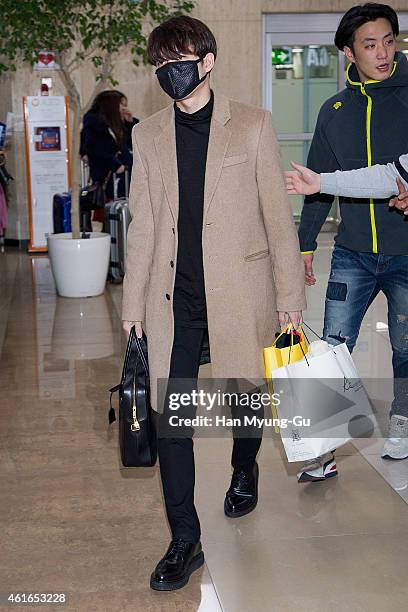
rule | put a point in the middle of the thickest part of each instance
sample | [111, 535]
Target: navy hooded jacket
[363, 125]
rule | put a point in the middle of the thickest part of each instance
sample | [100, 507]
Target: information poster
[47, 154]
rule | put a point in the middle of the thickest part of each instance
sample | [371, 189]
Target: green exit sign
[281, 56]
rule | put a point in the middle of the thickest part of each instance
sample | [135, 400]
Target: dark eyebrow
[369, 39]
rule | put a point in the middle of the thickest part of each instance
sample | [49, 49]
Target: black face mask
[179, 79]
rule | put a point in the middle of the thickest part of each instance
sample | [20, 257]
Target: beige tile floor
[74, 521]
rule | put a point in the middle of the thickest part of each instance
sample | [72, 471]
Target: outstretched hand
[401, 201]
[302, 181]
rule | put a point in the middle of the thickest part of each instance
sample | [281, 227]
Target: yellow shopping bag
[275, 358]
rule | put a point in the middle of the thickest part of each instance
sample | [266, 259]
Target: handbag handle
[142, 357]
[106, 180]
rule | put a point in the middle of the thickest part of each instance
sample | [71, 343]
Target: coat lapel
[218, 142]
[165, 144]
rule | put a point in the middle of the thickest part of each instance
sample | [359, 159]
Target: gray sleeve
[375, 182]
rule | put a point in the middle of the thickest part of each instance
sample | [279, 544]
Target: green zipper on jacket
[368, 137]
[369, 163]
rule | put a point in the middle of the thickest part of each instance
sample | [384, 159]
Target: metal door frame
[298, 29]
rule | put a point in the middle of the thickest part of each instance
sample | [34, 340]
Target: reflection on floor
[74, 521]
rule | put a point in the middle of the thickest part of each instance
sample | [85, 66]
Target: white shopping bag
[322, 402]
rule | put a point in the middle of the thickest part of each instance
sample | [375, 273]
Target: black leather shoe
[179, 562]
[242, 496]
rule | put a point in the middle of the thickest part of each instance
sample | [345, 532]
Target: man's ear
[349, 54]
[208, 62]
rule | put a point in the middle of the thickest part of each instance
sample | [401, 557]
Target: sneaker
[318, 469]
[396, 446]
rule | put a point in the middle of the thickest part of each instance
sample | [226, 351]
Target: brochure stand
[46, 123]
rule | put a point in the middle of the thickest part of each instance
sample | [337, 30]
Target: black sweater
[192, 134]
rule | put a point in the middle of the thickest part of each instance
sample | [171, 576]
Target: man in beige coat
[213, 261]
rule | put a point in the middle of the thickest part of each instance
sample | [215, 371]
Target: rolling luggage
[117, 219]
[61, 208]
[61, 212]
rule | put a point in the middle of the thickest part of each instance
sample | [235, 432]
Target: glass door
[303, 77]
[303, 73]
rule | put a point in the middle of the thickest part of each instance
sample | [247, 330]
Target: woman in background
[106, 142]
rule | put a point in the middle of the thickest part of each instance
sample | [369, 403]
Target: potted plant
[79, 31]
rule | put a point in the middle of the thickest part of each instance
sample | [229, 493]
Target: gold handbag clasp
[135, 425]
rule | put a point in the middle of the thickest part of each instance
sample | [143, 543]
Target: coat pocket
[233, 160]
[257, 255]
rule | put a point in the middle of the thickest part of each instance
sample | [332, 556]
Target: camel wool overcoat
[251, 256]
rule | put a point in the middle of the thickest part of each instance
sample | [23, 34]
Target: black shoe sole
[195, 564]
[389, 458]
[232, 514]
[306, 479]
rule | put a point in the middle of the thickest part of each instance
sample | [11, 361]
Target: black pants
[176, 455]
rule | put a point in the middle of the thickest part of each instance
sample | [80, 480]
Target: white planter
[79, 266]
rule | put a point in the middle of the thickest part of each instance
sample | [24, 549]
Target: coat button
[172, 264]
[167, 296]
[172, 229]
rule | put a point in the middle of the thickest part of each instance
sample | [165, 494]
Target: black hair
[358, 16]
[180, 36]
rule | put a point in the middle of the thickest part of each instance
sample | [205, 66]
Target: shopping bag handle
[284, 331]
[312, 330]
[301, 348]
[290, 327]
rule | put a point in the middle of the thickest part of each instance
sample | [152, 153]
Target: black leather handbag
[93, 196]
[137, 423]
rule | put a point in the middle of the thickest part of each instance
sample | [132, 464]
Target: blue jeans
[355, 280]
